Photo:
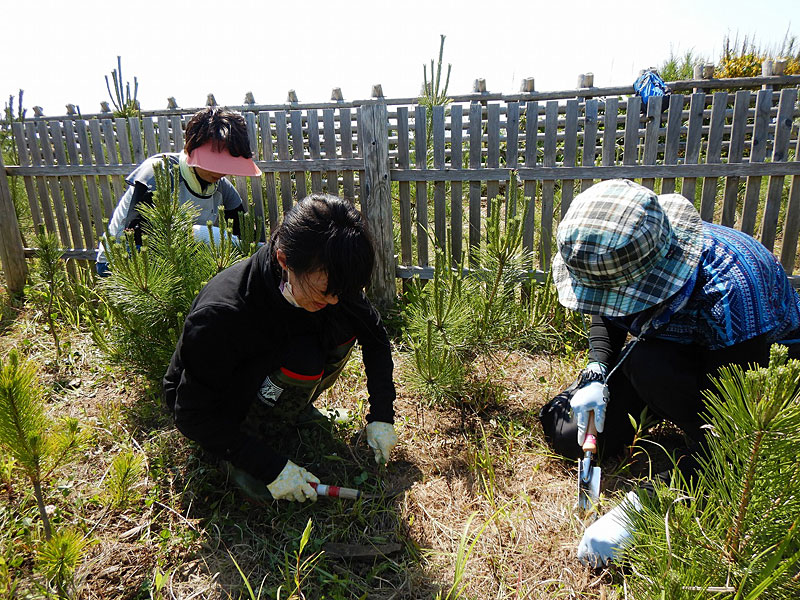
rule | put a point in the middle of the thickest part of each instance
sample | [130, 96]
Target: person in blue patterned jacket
[692, 296]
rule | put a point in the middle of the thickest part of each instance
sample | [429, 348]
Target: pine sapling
[734, 528]
[27, 434]
[51, 275]
[58, 560]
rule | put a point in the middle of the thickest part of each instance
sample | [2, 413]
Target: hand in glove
[604, 538]
[292, 484]
[381, 437]
[593, 396]
[201, 234]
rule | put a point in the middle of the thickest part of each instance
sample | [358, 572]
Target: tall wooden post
[378, 200]
[11, 250]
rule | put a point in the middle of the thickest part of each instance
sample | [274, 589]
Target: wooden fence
[424, 176]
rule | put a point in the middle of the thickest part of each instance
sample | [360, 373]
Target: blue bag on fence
[650, 84]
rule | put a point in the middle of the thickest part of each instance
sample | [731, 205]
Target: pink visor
[209, 159]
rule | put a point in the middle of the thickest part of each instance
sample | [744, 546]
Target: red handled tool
[334, 491]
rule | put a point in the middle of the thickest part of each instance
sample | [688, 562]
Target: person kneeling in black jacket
[266, 336]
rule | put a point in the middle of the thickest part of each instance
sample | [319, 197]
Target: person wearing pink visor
[216, 145]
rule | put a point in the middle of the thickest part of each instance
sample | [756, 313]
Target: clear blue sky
[58, 51]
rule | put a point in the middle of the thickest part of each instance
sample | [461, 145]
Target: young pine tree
[37, 446]
[152, 288]
[458, 317]
[51, 276]
[735, 532]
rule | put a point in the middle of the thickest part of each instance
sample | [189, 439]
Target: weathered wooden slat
[136, 140]
[610, 132]
[91, 183]
[177, 133]
[56, 134]
[673, 137]
[377, 201]
[24, 160]
[439, 189]
[545, 173]
[548, 186]
[512, 134]
[630, 150]
[426, 273]
[421, 162]
[100, 161]
[346, 136]
[713, 154]
[11, 244]
[109, 139]
[735, 153]
[164, 143]
[329, 131]
[275, 166]
[298, 152]
[492, 152]
[529, 187]
[255, 182]
[652, 132]
[240, 183]
[780, 150]
[121, 127]
[791, 228]
[589, 139]
[758, 152]
[46, 150]
[83, 205]
[150, 137]
[406, 254]
[269, 177]
[314, 148]
[35, 155]
[570, 153]
[456, 198]
[282, 140]
[479, 174]
[694, 140]
[475, 134]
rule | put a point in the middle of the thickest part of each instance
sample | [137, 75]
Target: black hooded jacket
[232, 340]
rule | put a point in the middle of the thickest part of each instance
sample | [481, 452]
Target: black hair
[225, 128]
[325, 233]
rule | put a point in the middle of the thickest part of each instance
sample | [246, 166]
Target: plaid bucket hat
[622, 248]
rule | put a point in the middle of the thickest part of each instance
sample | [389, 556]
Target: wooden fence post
[378, 200]
[11, 250]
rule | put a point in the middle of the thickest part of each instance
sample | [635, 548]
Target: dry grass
[474, 466]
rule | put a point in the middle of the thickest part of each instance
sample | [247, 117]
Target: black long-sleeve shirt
[232, 340]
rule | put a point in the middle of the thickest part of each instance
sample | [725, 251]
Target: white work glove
[292, 484]
[604, 538]
[591, 397]
[381, 437]
[200, 233]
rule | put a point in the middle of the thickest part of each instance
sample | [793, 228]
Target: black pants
[667, 378]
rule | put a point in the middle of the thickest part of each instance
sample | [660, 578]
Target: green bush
[152, 288]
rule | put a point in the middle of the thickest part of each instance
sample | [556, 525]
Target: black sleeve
[206, 407]
[377, 354]
[141, 195]
[233, 215]
[605, 340]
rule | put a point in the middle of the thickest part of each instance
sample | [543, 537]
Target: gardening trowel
[334, 491]
[588, 474]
